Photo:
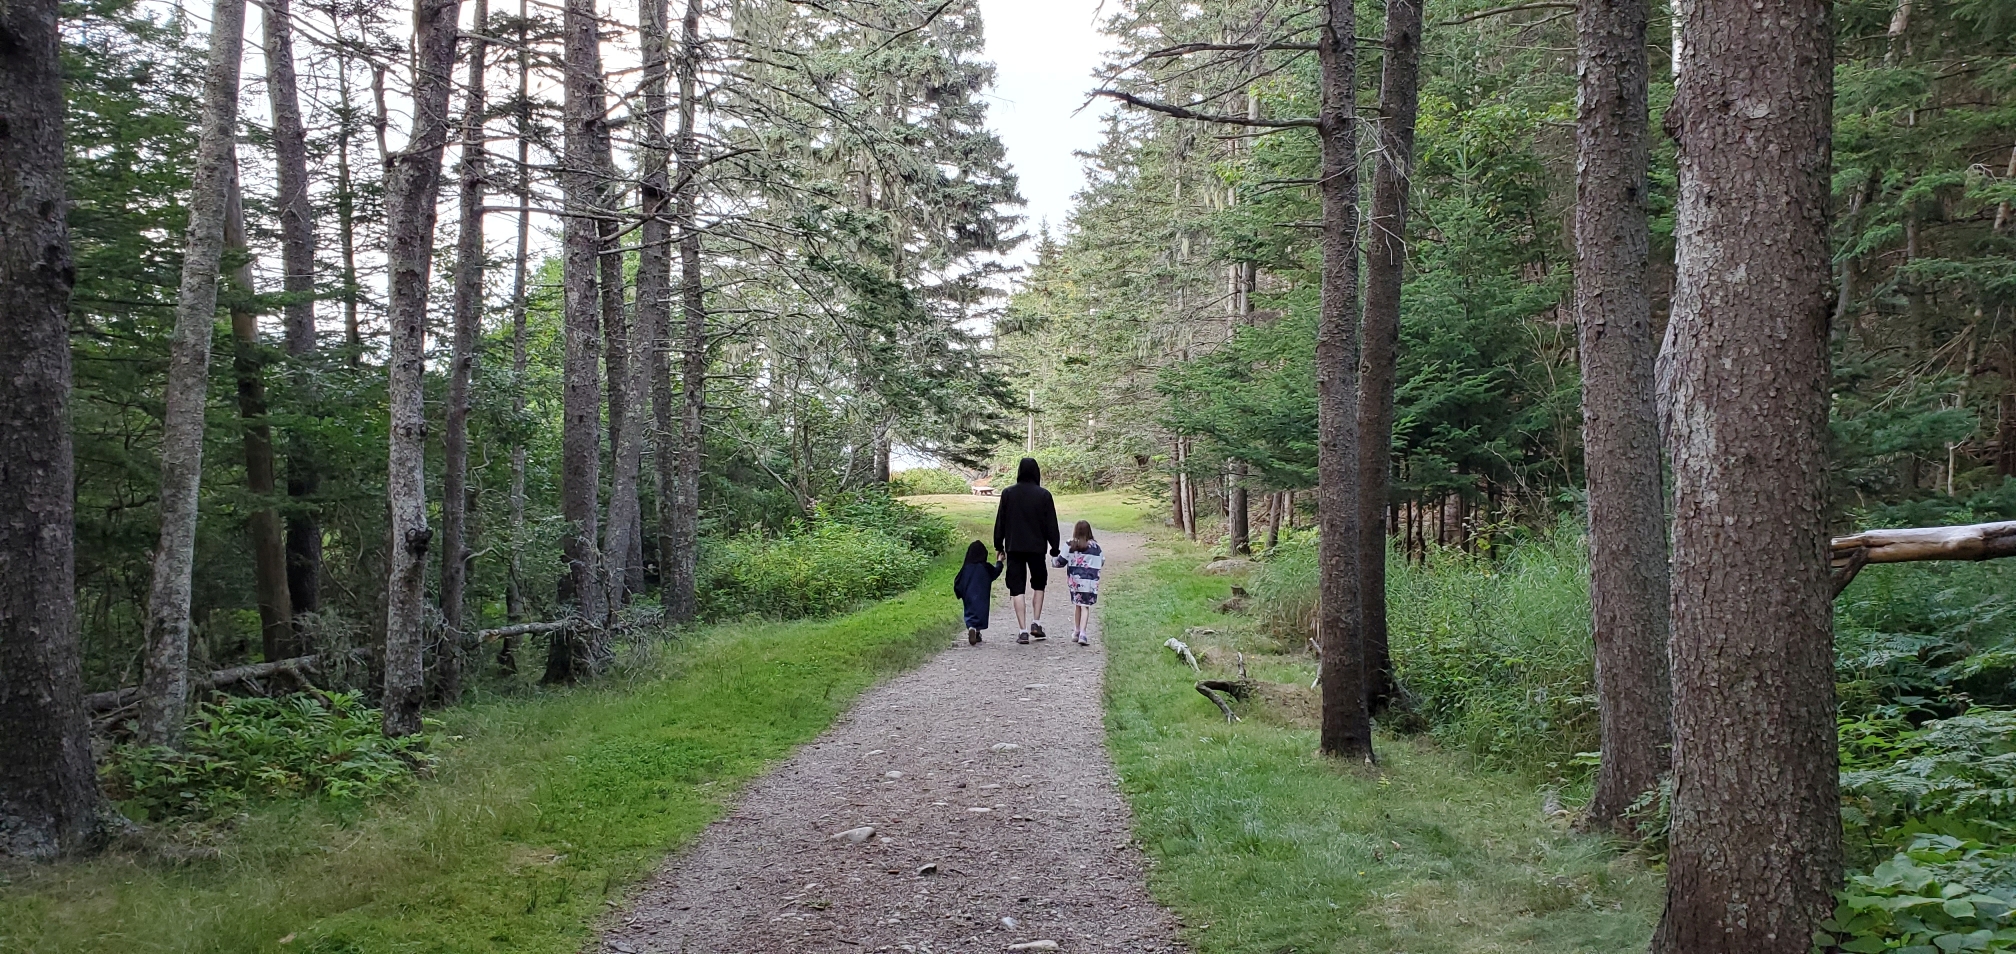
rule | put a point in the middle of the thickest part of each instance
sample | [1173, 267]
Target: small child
[1082, 561]
[975, 588]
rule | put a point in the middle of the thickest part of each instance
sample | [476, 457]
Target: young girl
[1082, 561]
[975, 588]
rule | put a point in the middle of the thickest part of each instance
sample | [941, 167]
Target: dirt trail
[985, 776]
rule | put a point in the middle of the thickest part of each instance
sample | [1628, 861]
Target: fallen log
[522, 629]
[121, 698]
[1979, 541]
[1182, 649]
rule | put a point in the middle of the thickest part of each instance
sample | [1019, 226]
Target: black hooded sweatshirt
[975, 584]
[1027, 520]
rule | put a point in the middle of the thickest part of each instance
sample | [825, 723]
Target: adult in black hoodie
[1024, 526]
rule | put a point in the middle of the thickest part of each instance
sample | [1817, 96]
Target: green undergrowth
[1264, 848]
[542, 810]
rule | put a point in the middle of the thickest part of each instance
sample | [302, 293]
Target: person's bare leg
[1022, 610]
[1036, 597]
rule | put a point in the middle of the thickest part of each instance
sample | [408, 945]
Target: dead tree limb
[522, 629]
[1182, 649]
[1979, 541]
[1514, 8]
[1211, 689]
[294, 668]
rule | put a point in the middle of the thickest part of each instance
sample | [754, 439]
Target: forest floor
[985, 806]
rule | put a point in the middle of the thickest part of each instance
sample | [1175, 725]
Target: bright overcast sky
[1044, 52]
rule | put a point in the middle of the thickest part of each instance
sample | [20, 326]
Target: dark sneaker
[1022, 638]
[1036, 631]
[972, 636]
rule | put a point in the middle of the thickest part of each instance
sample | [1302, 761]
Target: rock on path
[985, 779]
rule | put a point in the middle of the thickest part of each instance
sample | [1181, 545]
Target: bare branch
[1182, 113]
[1514, 8]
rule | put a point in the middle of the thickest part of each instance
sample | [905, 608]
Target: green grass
[544, 809]
[1264, 848]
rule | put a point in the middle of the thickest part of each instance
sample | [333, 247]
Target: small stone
[1226, 567]
[929, 869]
[1006, 747]
[892, 774]
[979, 810]
[874, 751]
[1037, 685]
[854, 835]
[958, 784]
[1045, 945]
[1010, 923]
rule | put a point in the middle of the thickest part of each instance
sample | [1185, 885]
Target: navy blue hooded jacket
[975, 584]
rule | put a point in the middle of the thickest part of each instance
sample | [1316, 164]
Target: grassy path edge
[1263, 848]
[545, 808]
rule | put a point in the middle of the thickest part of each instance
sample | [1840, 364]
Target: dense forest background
[1148, 364]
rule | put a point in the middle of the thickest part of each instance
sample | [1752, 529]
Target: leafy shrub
[810, 571]
[927, 480]
[872, 509]
[1065, 469]
[245, 750]
[1941, 894]
[1956, 776]
[1942, 631]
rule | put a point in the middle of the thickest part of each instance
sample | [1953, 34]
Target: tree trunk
[1274, 509]
[514, 587]
[1346, 724]
[680, 567]
[1756, 823]
[1620, 416]
[1385, 269]
[412, 188]
[627, 381]
[654, 267]
[297, 259]
[346, 224]
[269, 547]
[574, 656]
[49, 791]
[167, 676]
[468, 311]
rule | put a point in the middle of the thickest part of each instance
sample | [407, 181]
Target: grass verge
[1263, 848]
[544, 809]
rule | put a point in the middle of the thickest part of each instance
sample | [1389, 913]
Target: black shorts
[1031, 563]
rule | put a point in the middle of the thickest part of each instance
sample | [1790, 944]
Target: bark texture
[248, 365]
[1756, 824]
[680, 565]
[1628, 585]
[585, 128]
[297, 259]
[1385, 269]
[167, 674]
[1346, 724]
[468, 311]
[49, 790]
[412, 186]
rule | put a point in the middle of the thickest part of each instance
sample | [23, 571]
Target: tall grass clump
[1494, 655]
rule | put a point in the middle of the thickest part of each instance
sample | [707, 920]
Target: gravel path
[985, 777]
